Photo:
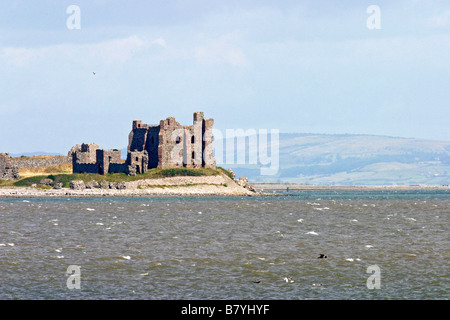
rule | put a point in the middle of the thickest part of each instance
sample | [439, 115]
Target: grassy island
[65, 178]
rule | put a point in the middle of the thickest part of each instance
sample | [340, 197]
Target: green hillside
[355, 160]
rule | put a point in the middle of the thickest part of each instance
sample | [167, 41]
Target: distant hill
[324, 159]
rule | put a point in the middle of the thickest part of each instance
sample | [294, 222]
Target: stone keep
[170, 144]
[8, 169]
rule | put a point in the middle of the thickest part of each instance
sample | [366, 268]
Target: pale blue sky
[296, 66]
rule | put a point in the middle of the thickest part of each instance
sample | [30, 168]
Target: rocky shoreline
[219, 185]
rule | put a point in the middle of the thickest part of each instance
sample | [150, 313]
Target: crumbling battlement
[8, 169]
[168, 144]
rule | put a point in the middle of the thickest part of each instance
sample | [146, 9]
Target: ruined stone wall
[105, 159]
[84, 154]
[118, 168]
[88, 153]
[88, 158]
[145, 138]
[196, 152]
[208, 160]
[137, 139]
[8, 169]
[171, 142]
[84, 158]
[151, 146]
[29, 162]
[137, 162]
[86, 168]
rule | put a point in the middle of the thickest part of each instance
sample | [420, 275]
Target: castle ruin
[168, 144]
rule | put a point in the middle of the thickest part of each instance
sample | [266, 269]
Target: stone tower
[170, 144]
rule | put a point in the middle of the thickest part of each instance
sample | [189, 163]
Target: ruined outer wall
[137, 139]
[85, 168]
[84, 158]
[88, 158]
[144, 138]
[118, 168]
[30, 163]
[8, 169]
[208, 160]
[152, 146]
[106, 158]
[195, 151]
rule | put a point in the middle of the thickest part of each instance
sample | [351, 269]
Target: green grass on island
[115, 177]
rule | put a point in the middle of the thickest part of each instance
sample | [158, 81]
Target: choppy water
[227, 248]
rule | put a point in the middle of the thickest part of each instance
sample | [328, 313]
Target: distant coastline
[49, 179]
[268, 186]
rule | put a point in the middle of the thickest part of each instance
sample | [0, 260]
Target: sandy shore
[173, 186]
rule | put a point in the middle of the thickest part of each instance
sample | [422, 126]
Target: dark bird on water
[322, 256]
[93, 73]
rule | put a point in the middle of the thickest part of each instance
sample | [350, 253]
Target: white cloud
[21, 56]
[221, 50]
[441, 20]
[107, 52]
[122, 50]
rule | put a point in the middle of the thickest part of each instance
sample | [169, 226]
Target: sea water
[228, 247]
